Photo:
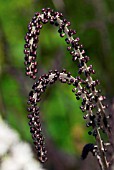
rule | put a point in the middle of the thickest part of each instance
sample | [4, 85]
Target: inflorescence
[84, 88]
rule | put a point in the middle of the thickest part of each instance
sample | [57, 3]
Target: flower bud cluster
[84, 85]
[34, 97]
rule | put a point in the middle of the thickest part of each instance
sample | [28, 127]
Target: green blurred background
[63, 124]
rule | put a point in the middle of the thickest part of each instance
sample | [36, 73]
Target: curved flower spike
[84, 85]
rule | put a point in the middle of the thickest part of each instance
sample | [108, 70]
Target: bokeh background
[64, 128]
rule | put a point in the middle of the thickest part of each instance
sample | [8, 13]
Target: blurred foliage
[59, 108]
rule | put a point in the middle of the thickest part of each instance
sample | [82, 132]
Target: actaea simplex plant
[84, 87]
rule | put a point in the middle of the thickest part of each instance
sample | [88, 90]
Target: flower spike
[84, 87]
